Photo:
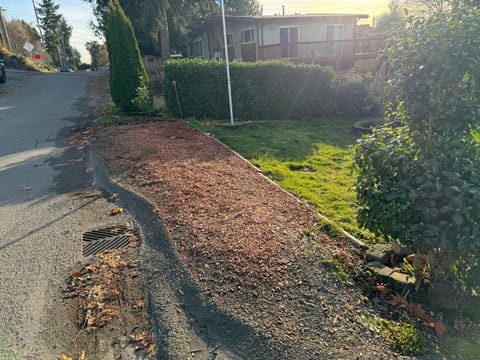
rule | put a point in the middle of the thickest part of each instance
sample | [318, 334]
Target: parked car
[3, 73]
[65, 69]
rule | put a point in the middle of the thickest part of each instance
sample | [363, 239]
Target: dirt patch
[251, 249]
[234, 267]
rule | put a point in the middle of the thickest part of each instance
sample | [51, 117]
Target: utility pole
[4, 30]
[65, 57]
[38, 22]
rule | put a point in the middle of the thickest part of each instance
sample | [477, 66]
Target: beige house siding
[327, 38]
[216, 40]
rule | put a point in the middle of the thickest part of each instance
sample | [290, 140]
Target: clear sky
[78, 13]
[370, 7]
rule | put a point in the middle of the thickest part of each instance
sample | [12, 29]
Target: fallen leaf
[440, 328]
[116, 211]
[382, 289]
[397, 300]
[77, 159]
[417, 310]
[420, 313]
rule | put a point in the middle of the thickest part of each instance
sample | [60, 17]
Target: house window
[229, 39]
[334, 38]
[197, 49]
[289, 34]
[248, 36]
[289, 37]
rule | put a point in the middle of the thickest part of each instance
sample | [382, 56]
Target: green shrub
[263, 90]
[419, 176]
[353, 98]
[406, 338]
[128, 78]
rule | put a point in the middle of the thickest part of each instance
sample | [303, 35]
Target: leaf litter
[99, 291]
[243, 239]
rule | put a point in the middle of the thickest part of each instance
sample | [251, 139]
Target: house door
[334, 38]
[289, 41]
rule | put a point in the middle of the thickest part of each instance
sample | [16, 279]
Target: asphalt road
[41, 223]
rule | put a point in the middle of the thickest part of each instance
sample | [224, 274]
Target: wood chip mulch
[254, 249]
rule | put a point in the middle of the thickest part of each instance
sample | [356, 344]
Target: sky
[370, 7]
[78, 13]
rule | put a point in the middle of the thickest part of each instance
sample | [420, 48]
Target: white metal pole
[229, 86]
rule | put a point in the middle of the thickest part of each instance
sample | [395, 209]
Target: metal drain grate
[113, 237]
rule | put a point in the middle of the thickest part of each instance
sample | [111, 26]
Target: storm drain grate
[113, 237]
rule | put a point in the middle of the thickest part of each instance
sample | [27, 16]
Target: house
[328, 39]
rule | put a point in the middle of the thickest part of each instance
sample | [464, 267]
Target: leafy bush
[128, 78]
[419, 182]
[263, 90]
[16, 61]
[143, 100]
[406, 338]
[352, 96]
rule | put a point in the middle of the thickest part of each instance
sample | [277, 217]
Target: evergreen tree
[98, 54]
[129, 85]
[70, 54]
[161, 25]
[242, 7]
[50, 21]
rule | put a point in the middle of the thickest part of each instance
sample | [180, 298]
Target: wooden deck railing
[323, 50]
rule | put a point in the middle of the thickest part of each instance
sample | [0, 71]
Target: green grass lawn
[311, 159]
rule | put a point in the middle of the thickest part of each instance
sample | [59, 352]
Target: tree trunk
[164, 34]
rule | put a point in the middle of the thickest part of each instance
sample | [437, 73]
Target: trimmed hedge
[260, 91]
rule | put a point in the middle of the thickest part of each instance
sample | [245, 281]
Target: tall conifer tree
[50, 21]
[129, 85]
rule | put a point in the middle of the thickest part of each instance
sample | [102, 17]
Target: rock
[380, 269]
[396, 279]
[402, 280]
[380, 253]
[400, 249]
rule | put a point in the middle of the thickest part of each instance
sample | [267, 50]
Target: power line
[76, 5]
[85, 33]
[38, 21]
[4, 30]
